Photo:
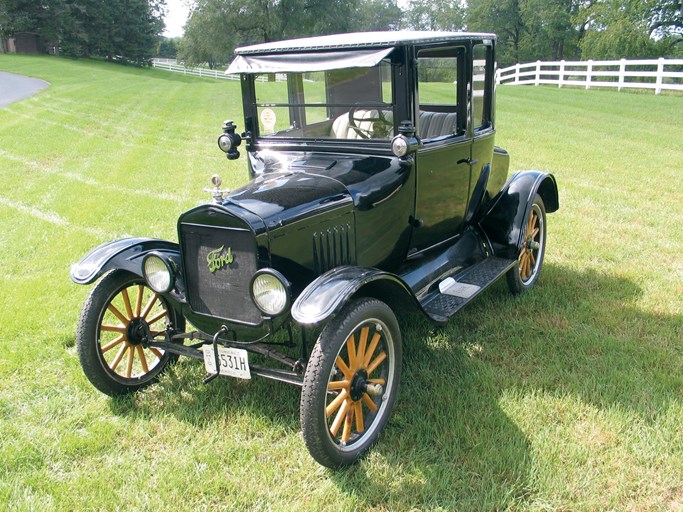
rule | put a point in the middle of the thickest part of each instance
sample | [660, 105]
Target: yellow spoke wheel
[118, 319]
[530, 257]
[351, 382]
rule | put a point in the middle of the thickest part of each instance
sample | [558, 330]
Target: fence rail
[654, 74]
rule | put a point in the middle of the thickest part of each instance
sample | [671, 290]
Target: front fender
[504, 221]
[327, 294]
[125, 254]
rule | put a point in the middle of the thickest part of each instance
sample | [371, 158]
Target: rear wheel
[118, 317]
[351, 383]
[530, 259]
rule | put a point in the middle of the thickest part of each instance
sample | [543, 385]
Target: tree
[623, 29]
[168, 47]
[378, 15]
[435, 15]
[210, 35]
[505, 19]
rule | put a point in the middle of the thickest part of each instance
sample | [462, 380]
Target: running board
[454, 293]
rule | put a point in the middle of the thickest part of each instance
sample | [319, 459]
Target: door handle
[467, 161]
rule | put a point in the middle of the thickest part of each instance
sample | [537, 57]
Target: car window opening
[352, 103]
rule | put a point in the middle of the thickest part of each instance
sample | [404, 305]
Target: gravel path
[17, 87]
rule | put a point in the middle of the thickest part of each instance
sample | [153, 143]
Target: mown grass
[568, 398]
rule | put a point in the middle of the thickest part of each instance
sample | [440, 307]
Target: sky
[176, 17]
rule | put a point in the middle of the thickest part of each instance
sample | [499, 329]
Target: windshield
[351, 103]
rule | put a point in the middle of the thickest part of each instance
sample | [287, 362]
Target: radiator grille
[224, 292]
[332, 247]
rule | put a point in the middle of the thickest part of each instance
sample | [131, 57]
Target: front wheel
[530, 259]
[351, 383]
[118, 317]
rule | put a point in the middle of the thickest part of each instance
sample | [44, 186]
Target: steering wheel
[380, 126]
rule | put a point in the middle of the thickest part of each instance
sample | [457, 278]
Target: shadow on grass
[449, 443]
[580, 334]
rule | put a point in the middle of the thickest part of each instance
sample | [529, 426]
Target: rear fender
[327, 294]
[125, 254]
[504, 221]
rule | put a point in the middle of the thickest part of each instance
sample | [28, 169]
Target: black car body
[375, 187]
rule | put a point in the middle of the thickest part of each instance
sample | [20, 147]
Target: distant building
[24, 42]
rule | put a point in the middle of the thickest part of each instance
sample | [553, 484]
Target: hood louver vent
[332, 248]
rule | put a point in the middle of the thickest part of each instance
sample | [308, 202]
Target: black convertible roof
[359, 40]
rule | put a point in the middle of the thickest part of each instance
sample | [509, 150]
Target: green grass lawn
[568, 398]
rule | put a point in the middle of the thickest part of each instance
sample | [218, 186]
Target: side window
[482, 67]
[441, 89]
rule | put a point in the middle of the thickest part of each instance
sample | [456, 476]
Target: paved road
[17, 87]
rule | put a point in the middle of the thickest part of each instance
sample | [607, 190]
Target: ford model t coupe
[375, 187]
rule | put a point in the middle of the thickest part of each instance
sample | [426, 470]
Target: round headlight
[270, 293]
[399, 146]
[225, 142]
[158, 273]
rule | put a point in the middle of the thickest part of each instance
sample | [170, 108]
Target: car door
[443, 162]
[483, 129]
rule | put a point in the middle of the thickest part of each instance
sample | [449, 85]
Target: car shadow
[452, 444]
[451, 441]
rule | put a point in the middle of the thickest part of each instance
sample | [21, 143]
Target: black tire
[110, 327]
[530, 259]
[341, 388]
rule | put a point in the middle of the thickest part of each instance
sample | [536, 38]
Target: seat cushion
[437, 124]
[342, 128]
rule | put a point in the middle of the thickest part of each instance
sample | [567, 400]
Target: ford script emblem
[217, 261]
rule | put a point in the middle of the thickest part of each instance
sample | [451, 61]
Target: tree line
[126, 30]
[527, 30]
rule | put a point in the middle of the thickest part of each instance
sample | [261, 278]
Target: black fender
[125, 254]
[327, 294]
[503, 223]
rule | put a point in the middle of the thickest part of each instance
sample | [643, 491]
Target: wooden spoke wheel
[530, 259]
[118, 319]
[351, 383]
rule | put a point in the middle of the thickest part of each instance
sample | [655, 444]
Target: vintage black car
[375, 188]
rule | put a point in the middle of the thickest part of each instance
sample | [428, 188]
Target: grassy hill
[567, 398]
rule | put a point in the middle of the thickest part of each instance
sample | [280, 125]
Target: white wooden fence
[654, 74]
[172, 65]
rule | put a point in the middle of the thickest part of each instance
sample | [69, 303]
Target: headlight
[158, 273]
[270, 292]
[399, 146]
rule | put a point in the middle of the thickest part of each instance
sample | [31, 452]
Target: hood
[280, 198]
[291, 185]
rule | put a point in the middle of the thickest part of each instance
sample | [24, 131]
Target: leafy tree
[378, 15]
[505, 18]
[210, 34]
[435, 15]
[624, 29]
[168, 47]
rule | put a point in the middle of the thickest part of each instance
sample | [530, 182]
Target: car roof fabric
[305, 62]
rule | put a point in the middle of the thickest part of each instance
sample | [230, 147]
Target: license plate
[232, 361]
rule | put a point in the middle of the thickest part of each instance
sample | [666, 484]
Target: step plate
[443, 306]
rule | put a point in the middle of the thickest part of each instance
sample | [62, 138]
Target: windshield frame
[253, 108]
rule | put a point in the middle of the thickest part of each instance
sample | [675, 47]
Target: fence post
[561, 81]
[537, 78]
[660, 75]
[622, 74]
[589, 70]
[517, 73]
